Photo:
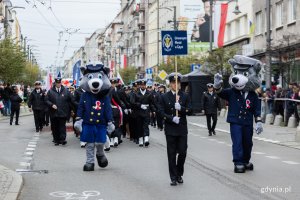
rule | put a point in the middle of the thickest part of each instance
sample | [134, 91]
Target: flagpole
[176, 81]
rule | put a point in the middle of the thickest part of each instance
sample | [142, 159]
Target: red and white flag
[220, 15]
[49, 81]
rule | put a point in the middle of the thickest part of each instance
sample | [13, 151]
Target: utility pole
[6, 22]
[175, 19]
[268, 49]
[210, 26]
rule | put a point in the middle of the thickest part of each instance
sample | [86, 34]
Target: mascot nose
[235, 79]
[95, 84]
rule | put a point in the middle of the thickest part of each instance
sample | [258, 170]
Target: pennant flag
[49, 81]
[220, 23]
[120, 78]
[58, 75]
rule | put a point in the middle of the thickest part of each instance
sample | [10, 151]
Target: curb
[16, 185]
[21, 115]
[294, 145]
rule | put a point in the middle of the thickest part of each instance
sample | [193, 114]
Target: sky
[42, 21]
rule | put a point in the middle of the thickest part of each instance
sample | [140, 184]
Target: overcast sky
[42, 26]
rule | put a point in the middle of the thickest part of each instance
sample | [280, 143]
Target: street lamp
[6, 20]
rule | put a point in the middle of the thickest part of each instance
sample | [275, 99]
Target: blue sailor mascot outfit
[94, 114]
[244, 106]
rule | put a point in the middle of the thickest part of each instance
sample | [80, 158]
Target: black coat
[15, 101]
[7, 93]
[37, 100]
[210, 103]
[77, 94]
[167, 111]
[138, 99]
[62, 100]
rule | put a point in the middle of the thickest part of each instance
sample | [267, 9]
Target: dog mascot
[94, 114]
[244, 105]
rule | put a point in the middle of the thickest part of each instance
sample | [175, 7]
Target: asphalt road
[142, 173]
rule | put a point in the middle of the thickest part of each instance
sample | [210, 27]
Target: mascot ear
[257, 67]
[106, 70]
[83, 70]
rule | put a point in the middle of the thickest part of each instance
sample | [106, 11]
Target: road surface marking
[291, 162]
[30, 149]
[273, 157]
[70, 195]
[220, 142]
[258, 153]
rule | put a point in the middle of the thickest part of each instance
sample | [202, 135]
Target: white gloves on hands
[176, 120]
[126, 111]
[177, 106]
[218, 81]
[110, 127]
[259, 128]
[78, 125]
[144, 107]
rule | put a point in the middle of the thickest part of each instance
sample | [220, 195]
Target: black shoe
[47, 124]
[107, 149]
[179, 179]
[173, 183]
[239, 169]
[56, 143]
[147, 143]
[120, 141]
[102, 161]
[10, 123]
[41, 129]
[209, 133]
[88, 167]
[249, 166]
[37, 130]
[214, 132]
[17, 124]
[64, 142]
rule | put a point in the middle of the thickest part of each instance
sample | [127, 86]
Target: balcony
[142, 7]
[141, 49]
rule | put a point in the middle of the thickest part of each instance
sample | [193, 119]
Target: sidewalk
[10, 181]
[273, 134]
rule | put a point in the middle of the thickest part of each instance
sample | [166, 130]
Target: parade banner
[220, 16]
[174, 43]
[76, 73]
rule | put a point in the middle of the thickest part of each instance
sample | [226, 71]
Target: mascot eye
[99, 76]
[235, 72]
[246, 74]
[90, 76]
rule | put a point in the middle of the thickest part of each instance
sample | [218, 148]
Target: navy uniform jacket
[241, 111]
[94, 111]
[167, 111]
[138, 99]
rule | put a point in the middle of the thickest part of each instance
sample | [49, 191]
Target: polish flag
[49, 81]
[220, 13]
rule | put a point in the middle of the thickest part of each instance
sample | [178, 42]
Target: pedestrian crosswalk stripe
[273, 157]
[258, 153]
[291, 162]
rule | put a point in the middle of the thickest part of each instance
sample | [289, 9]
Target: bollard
[292, 122]
[278, 120]
[297, 136]
[222, 113]
[269, 119]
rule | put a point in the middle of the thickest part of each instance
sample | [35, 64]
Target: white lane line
[31, 145]
[29, 153]
[30, 149]
[273, 157]
[258, 153]
[212, 139]
[25, 164]
[291, 162]
[203, 137]
[220, 142]
[229, 145]
[194, 134]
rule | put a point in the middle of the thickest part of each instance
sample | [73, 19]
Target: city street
[142, 173]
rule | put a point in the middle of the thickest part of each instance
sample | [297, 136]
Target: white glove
[110, 127]
[177, 106]
[126, 111]
[144, 107]
[218, 81]
[176, 120]
[259, 128]
[78, 125]
[129, 110]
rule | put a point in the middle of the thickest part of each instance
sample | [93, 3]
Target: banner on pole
[174, 43]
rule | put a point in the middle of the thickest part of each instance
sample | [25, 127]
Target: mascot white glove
[259, 128]
[78, 125]
[110, 127]
[176, 120]
[144, 107]
[126, 111]
[177, 106]
[218, 81]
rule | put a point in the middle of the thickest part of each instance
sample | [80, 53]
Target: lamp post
[6, 20]
[268, 49]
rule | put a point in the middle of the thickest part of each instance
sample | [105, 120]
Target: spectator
[6, 99]
[1, 98]
[291, 108]
[269, 100]
[16, 101]
[279, 104]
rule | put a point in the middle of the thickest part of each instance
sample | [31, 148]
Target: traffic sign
[174, 43]
[162, 75]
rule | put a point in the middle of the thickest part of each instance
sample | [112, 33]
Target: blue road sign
[174, 43]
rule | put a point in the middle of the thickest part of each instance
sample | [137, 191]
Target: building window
[279, 7]
[258, 22]
[292, 10]
[266, 19]
[237, 28]
[228, 32]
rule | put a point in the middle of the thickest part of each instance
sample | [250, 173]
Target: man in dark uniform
[77, 94]
[174, 112]
[36, 103]
[144, 103]
[210, 103]
[161, 91]
[60, 101]
[133, 114]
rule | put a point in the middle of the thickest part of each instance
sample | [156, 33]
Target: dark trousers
[176, 145]
[133, 128]
[46, 117]
[241, 137]
[159, 121]
[214, 118]
[38, 119]
[142, 124]
[58, 127]
[153, 119]
[12, 113]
